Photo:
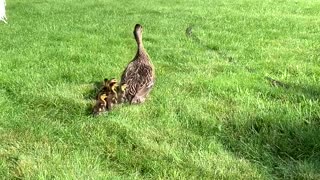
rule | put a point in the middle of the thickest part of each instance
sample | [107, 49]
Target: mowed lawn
[236, 96]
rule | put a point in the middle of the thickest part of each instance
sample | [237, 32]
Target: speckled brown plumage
[139, 75]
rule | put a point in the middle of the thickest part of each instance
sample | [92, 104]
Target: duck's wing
[141, 95]
[127, 73]
[137, 77]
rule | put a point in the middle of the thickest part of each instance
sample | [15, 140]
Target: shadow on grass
[308, 91]
[282, 147]
[285, 148]
[302, 91]
[91, 95]
[128, 153]
[57, 107]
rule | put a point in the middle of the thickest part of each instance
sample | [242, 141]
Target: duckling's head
[123, 87]
[103, 98]
[113, 83]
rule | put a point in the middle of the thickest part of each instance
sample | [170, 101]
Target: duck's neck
[138, 37]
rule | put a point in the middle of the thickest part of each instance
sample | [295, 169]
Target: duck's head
[138, 32]
[137, 28]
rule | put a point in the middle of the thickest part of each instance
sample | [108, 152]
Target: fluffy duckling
[108, 86]
[100, 105]
[109, 95]
[113, 95]
[113, 85]
[121, 93]
[139, 75]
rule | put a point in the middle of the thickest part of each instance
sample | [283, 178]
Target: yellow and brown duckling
[122, 93]
[100, 105]
[103, 97]
[109, 95]
[139, 75]
[112, 94]
[108, 87]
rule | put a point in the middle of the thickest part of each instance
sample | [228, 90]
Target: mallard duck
[100, 105]
[121, 93]
[139, 75]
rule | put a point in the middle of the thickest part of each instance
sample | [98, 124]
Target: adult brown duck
[139, 75]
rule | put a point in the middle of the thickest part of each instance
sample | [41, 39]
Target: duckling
[106, 88]
[112, 94]
[121, 93]
[113, 85]
[100, 105]
[139, 75]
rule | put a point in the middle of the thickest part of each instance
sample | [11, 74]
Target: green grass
[213, 114]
